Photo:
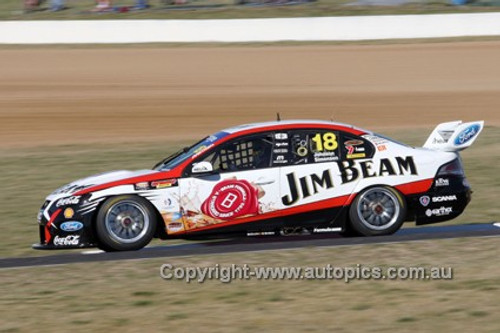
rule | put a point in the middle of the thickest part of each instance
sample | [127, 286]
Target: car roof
[299, 123]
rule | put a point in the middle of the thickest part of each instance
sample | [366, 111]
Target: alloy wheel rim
[126, 221]
[378, 209]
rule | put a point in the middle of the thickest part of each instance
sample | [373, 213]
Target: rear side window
[355, 147]
[314, 146]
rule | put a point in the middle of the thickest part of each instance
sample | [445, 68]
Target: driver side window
[248, 153]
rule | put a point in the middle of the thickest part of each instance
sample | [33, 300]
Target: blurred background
[85, 9]
[70, 111]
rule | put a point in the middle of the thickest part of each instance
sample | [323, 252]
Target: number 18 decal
[327, 141]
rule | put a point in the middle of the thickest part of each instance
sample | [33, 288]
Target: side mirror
[202, 167]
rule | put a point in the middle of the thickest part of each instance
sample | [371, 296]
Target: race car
[272, 178]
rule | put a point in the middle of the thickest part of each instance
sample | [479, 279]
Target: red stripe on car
[47, 226]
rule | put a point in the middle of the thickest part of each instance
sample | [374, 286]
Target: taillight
[454, 168]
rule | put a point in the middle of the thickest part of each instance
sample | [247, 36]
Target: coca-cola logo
[66, 241]
[231, 199]
[68, 201]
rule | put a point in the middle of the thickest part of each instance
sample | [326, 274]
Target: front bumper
[40, 246]
[61, 231]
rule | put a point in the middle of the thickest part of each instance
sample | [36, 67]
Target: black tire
[125, 223]
[377, 211]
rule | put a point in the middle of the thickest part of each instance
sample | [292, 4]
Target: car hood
[95, 180]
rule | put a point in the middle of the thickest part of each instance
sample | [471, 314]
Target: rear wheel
[125, 223]
[377, 211]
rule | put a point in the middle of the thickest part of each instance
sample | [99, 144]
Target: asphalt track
[264, 243]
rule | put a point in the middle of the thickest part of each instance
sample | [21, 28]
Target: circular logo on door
[230, 199]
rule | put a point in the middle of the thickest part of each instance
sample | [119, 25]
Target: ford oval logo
[71, 226]
[467, 134]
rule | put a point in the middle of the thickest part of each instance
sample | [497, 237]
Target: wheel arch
[401, 197]
[160, 230]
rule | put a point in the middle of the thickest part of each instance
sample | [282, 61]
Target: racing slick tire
[125, 223]
[377, 211]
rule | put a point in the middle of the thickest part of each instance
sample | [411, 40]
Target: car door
[242, 191]
[312, 190]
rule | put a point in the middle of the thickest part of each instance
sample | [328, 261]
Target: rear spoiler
[454, 136]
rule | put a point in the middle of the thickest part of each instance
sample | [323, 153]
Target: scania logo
[444, 198]
[424, 201]
[467, 134]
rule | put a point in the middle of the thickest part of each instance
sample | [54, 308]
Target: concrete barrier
[353, 28]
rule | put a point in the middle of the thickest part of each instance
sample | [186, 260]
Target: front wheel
[378, 211]
[125, 223]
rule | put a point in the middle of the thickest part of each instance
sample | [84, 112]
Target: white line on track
[92, 252]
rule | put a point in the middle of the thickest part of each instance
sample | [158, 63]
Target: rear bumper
[446, 200]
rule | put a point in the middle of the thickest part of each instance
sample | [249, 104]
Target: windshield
[182, 155]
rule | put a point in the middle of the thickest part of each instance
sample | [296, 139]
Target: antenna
[278, 118]
[331, 118]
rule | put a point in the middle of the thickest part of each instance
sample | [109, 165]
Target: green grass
[28, 175]
[110, 296]
[224, 9]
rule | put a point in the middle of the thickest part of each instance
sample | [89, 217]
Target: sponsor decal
[69, 213]
[70, 240]
[321, 230]
[281, 136]
[261, 233]
[71, 188]
[71, 226]
[352, 150]
[68, 201]
[444, 198]
[376, 140]
[445, 136]
[281, 144]
[442, 182]
[200, 150]
[175, 226]
[164, 183]
[443, 211]
[280, 151]
[353, 143]
[467, 134]
[212, 138]
[302, 151]
[438, 141]
[142, 186]
[381, 148]
[169, 203]
[350, 171]
[280, 159]
[39, 216]
[425, 200]
[356, 155]
[231, 199]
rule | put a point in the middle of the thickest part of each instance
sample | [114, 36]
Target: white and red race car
[267, 179]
